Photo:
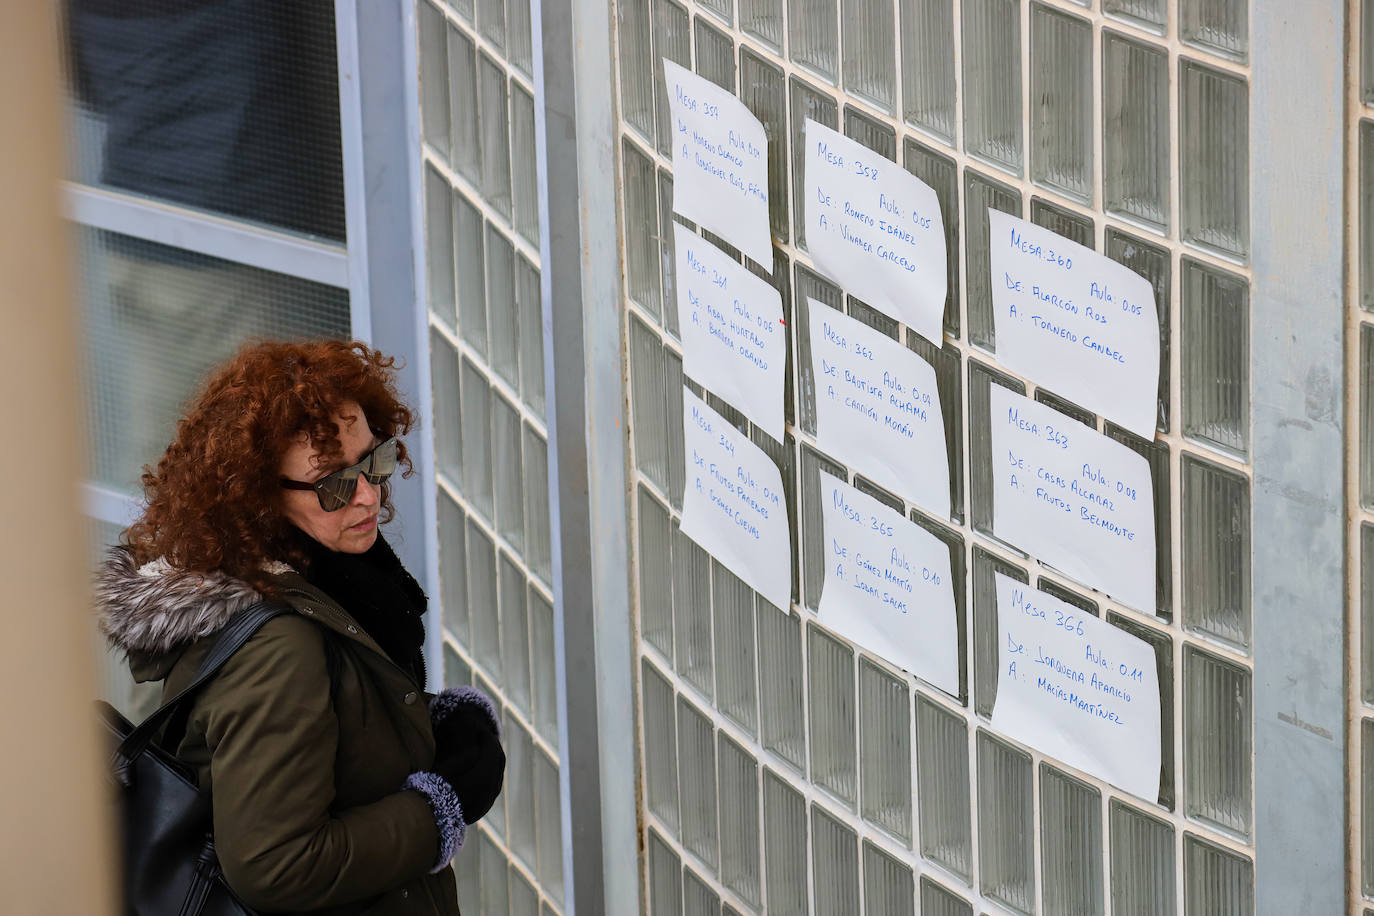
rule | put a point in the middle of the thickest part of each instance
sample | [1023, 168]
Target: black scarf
[379, 593]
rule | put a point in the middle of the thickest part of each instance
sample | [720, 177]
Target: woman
[336, 788]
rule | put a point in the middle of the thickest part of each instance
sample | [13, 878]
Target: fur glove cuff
[466, 699]
[447, 810]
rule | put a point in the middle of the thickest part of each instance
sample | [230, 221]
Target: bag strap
[238, 631]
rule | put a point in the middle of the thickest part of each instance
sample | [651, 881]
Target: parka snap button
[307, 611]
[352, 628]
[411, 697]
[405, 892]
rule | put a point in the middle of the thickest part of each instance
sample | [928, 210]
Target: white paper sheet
[875, 229]
[1068, 495]
[1077, 688]
[888, 586]
[733, 505]
[1075, 321]
[720, 163]
[878, 410]
[733, 338]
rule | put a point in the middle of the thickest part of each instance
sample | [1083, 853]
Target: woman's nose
[366, 494]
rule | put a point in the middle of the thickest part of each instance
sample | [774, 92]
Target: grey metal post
[580, 287]
[1296, 155]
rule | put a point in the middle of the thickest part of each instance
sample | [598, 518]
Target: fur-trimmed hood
[154, 611]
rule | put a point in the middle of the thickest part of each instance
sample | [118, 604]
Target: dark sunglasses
[335, 490]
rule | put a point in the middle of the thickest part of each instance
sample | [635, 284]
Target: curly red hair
[213, 502]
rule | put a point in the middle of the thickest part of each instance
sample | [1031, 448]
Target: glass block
[1216, 552]
[781, 280]
[1163, 647]
[491, 22]
[641, 227]
[830, 683]
[470, 254]
[870, 132]
[529, 304]
[784, 836]
[491, 864]
[515, 634]
[655, 563]
[696, 777]
[1061, 92]
[525, 177]
[812, 522]
[866, 314]
[980, 195]
[508, 472]
[477, 476]
[1214, 158]
[736, 695]
[937, 901]
[1152, 263]
[466, 864]
[667, 251]
[519, 791]
[809, 286]
[889, 888]
[992, 81]
[985, 565]
[439, 245]
[448, 426]
[1216, 356]
[980, 379]
[1067, 408]
[1366, 573]
[1366, 52]
[1367, 806]
[524, 899]
[1006, 837]
[1063, 221]
[548, 815]
[1070, 844]
[1216, 881]
[1217, 749]
[1222, 26]
[780, 684]
[715, 55]
[834, 863]
[940, 172]
[1366, 196]
[870, 66]
[1142, 857]
[928, 66]
[665, 878]
[463, 115]
[521, 51]
[724, 9]
[538, 549]
[672, 40]
[692, 611]
[485, 645]
[504, 322]
[812, 35]
[432, 28]
[697, 897]
[457, 673]
[648, 395]
[1149, 14]
[1067, 595]
[763, 90]
[942, 787]
[1135, 129]
[660, 745]
[949, 386]
[885, 750]
[543, 670]
[637, 67]
[677, 456]
[763, 20]
[494, 133]
[1156, 452]
[453, 575]
[811, 103]
[739, 820]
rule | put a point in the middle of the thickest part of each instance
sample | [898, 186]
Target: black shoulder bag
[166, 828]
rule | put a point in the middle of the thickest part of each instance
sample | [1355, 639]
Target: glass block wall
[491, 443]
[783, 770]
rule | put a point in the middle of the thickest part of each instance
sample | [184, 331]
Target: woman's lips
[366, 524]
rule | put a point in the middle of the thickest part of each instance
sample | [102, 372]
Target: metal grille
[491, 443]
[784, 770]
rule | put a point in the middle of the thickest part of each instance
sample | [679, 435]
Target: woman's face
[352, 529]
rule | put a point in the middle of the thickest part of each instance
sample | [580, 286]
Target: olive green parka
[306, 769]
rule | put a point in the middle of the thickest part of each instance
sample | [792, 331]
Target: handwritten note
[733, 505]
[888, 586]
[733, 338]
[877, 409]
[875, 229]
[1073, 498]
[720, 162]
[1075, 321]
[1077, 688]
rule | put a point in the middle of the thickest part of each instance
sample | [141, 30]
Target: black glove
[468, 754]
